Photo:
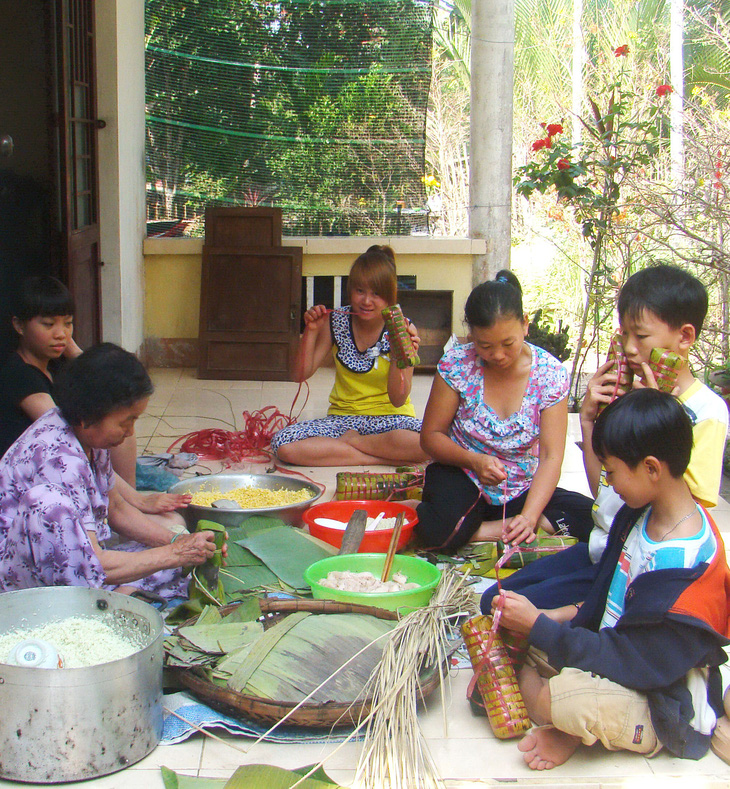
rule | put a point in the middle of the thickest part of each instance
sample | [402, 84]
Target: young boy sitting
[658, 307]
[637, 667]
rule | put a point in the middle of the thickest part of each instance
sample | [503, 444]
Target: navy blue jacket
[673, 621]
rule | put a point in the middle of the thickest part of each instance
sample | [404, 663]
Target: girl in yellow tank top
[371, 419]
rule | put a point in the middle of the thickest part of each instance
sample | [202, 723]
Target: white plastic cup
[34, 653]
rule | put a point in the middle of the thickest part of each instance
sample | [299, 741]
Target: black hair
[100, 381]
[672, 294]
[43, 297]
[497, 298]
[645, 422]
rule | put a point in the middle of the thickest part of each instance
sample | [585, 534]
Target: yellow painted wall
[173, 273]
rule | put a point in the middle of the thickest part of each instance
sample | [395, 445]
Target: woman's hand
[488, 469]
[518, 529]
[315, 317]
[518, 613]
[159, 503]
[600, 391]
[193, 548]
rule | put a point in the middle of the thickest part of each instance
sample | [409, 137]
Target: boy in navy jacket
[636, 666]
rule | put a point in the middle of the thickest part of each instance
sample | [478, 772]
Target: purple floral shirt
[50, 496]
[514, 440]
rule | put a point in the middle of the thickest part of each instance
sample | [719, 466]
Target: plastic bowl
[417, 570]
[373, 541]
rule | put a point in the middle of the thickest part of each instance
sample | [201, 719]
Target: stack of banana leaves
[264, 555]
[286, 661]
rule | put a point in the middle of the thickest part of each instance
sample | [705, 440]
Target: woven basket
[265, 711]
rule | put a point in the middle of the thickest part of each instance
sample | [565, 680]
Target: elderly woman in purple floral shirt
[58, 503]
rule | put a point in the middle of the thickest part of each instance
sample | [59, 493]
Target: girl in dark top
[43, 321]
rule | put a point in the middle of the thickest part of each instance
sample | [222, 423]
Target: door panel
[78, 164]
[249, 313]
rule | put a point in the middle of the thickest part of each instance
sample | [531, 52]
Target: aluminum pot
[75, 723]
[289, 513]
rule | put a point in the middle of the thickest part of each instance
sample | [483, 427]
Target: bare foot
[489, 531]
[547, 747]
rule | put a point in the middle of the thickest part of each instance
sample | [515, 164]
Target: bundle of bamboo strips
[394, 754]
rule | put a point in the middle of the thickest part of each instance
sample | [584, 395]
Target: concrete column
[490, 158]
[121, 103]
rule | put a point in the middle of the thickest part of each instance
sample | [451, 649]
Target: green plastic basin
[416, 570]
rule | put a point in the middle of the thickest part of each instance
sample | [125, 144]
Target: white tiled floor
[467, 754]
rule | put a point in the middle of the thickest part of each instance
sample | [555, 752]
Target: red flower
[563, 164]
[622, 51]
[538, 145]
[554, 128]
[664, 90]
[548, 142]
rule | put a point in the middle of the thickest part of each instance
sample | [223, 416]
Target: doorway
[48, 161]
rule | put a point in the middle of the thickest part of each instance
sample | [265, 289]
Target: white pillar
[121, 104]
[676, 67]
[490, 159]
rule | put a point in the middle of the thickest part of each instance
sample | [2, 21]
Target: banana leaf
[264, 776]
[206, 575]
[252, 776]
[287, 553]
[239, 581]
[248, 611]
[173, 780]
[253, 525]
[221, 638]
[209, 616]
[262, 648]
[290, 663]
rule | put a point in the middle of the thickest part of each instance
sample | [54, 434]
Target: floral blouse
[50, 496]
[514, 440]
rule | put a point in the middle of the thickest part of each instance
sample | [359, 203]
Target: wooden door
[78, 164]
[28, 236]
[249, 312]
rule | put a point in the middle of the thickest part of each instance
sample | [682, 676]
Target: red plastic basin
[373, 541]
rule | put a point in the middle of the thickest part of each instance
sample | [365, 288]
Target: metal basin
[71, 724]
[289, 513]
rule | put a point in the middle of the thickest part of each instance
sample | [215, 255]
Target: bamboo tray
[309, 715]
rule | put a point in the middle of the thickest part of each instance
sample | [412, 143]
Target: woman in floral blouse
[495, 424]
[57, 494]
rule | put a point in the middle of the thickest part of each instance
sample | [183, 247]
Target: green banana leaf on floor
[263, 554]
[287, 552]
[253, 776]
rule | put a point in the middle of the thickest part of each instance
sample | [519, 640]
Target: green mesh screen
[316, 107]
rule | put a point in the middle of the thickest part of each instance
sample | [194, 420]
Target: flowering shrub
[589, 175]
[622, 135]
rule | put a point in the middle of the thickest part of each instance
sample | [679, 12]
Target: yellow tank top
[361, 377]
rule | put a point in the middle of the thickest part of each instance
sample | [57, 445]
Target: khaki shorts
[594, 708]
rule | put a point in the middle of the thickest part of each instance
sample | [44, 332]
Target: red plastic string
[250, 443]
